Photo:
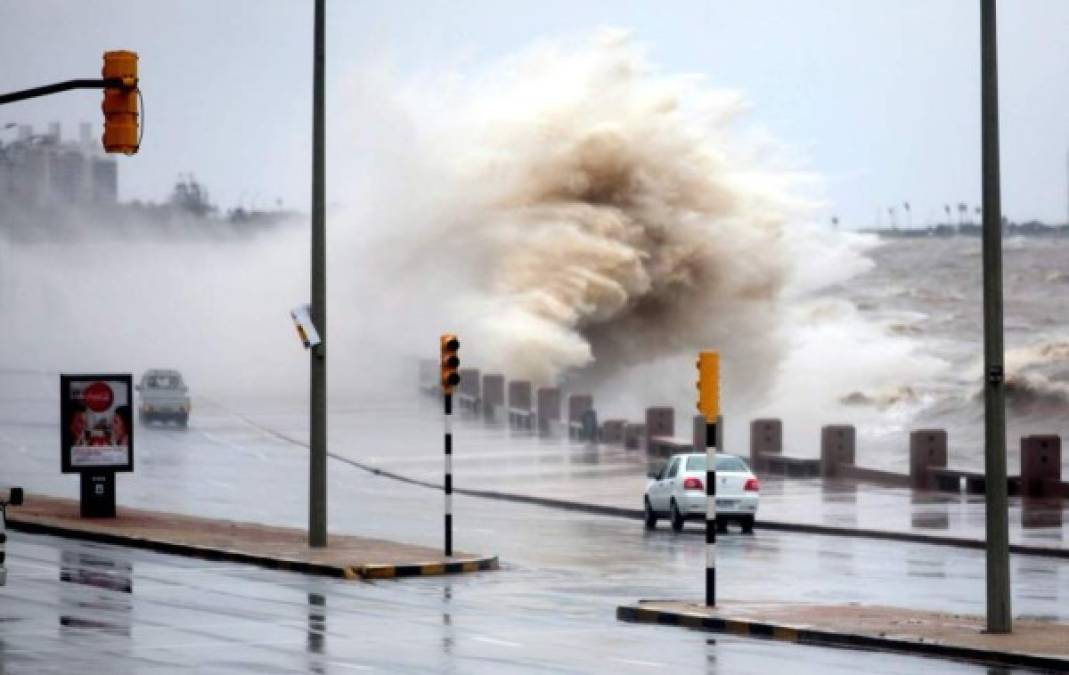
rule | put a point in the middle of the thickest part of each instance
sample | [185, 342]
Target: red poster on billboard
[97, 429]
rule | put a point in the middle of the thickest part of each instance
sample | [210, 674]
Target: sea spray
[586, 215]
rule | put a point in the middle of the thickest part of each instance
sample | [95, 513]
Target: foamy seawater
[929, 291]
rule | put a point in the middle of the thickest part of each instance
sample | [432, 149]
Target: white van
[164, 397]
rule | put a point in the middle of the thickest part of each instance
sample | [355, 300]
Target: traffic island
[1033, 644]
[276, 547]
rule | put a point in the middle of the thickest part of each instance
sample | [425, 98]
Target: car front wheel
[650, 517]
[676, 516]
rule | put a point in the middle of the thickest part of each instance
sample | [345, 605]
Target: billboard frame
[66, 408]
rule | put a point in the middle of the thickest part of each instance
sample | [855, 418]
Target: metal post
[999, 618]
[712, 442]
[317, 483]
[48, 89]
[448, 426]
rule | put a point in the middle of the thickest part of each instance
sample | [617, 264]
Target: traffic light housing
[450, 363]
[120, 106]
[709, 385]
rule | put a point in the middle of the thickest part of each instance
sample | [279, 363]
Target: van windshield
[163, 382]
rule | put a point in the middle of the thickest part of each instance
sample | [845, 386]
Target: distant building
[39, 170]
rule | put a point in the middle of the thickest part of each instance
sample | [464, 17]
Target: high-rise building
[104, 174]
[38, 170]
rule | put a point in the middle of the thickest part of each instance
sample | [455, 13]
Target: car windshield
[723, 463]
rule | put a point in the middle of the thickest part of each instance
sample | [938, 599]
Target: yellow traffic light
[121, 131]
[709, 385]
[450, 363]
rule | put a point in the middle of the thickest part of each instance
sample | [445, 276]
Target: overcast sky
[881, 98]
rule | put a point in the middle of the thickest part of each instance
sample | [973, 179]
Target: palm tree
[962, 208]
[946, 207]
[909, 215]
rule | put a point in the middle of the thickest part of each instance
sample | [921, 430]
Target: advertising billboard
[96, 423]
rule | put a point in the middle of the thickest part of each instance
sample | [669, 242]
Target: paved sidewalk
[1033, 644]
[277, 547]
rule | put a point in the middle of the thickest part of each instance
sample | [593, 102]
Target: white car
[677, 492]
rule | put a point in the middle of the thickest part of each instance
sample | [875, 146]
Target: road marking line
[652, 664]
[350, 666]
[494, 641]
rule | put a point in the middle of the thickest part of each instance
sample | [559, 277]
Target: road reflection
[107, 608]
[1041, 513]
[317, 629]
[929, 512]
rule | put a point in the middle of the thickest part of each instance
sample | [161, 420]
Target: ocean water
[927, 293]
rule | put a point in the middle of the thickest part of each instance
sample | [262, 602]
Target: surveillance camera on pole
[306, 330]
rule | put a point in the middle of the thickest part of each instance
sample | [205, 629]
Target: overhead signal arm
[122, 132]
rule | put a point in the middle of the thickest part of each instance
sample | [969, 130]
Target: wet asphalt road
[98, 608]
[550, 609]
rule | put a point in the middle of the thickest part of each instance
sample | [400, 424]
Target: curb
[825, 638]
[423, 569]
[911, 537]
[285, 564]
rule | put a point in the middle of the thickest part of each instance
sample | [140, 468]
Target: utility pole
[317, 478]
[999, 617]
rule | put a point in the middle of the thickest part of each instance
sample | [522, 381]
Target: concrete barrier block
[612, 432]
[548, 409]
[519, 404]
[660, 421]
[927, 450]
[635, 436]
[493, 394]
[1041, 465]
[469, 389]
[430, 375]
[519, 395]
[578, 405]
[698, 433]
[470, 383]
[588, 426]
[837, 447]
[766, 438]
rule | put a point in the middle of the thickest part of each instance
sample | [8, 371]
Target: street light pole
[999, 617]
[317, 480]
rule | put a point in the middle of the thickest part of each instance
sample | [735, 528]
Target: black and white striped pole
[448, 398]
[709, 407]
[450, 379]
